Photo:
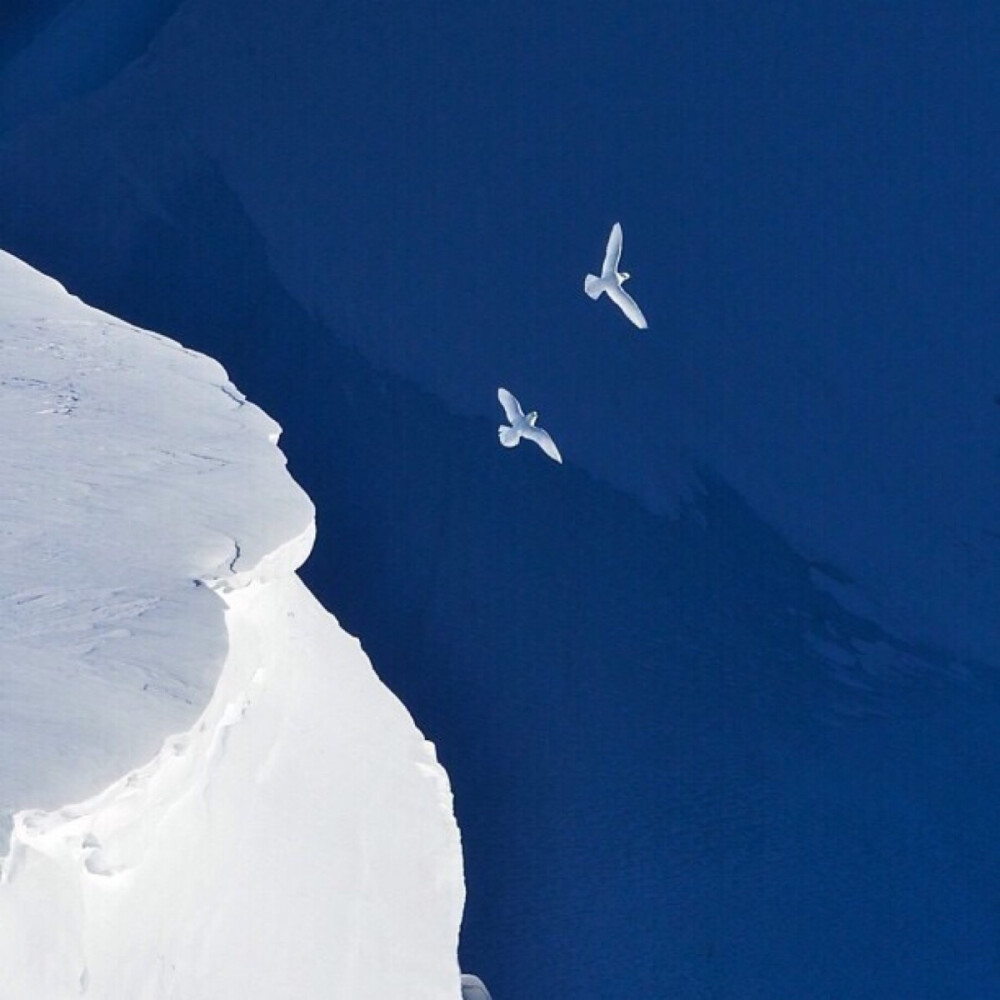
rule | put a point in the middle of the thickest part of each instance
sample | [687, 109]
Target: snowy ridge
[220, 869]
[132, 470]
[254, 814]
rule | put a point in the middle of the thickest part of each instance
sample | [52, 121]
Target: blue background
[718, 697]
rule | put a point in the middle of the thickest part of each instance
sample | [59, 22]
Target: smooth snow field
[212, 795]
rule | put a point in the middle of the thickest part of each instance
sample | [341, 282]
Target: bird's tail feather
[592, 286]
[508, 436]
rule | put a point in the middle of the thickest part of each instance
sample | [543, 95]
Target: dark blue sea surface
[713, 728]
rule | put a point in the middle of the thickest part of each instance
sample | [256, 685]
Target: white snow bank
[298, 842]
[473, 988]
[131, 469]
[294, 837]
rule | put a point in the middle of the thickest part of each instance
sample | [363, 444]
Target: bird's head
[623, 276]
[532, 417]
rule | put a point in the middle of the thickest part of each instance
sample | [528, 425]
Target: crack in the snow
[233, 394]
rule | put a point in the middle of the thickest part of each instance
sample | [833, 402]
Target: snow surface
[473, 988]
[212, 794]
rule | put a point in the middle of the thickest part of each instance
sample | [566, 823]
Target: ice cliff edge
[205, 791]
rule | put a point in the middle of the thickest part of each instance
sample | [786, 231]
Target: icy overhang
[211, 793]
[133, 473]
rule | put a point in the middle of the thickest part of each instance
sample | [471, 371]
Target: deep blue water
[681, 767]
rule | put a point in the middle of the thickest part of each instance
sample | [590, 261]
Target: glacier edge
[293, 834]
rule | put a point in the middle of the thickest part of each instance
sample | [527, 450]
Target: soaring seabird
[522, 426]
[611, 280]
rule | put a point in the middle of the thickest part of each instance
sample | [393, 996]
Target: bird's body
[523, 425]
[611, 280]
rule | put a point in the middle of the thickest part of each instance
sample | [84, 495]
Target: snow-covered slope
[212, 793]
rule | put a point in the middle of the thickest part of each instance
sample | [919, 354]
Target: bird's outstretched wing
[542, 439]
[613, 253]
[511, 407]
[626, 303]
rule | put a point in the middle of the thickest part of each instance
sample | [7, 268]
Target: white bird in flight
[611, 280]
[522, 426]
